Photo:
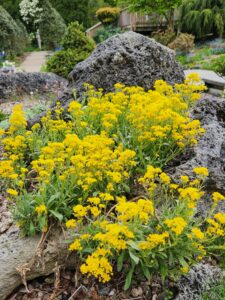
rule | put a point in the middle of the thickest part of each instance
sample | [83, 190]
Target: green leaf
[32, 229]
[183, 262]
[53, 198]
[146, 271]
[128, 279]
[163, 270]
[134, 257]
[120, 261]
[57, 215]
[134, 245]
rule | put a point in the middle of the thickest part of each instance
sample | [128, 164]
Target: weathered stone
[129, 58]
[20, 84]
[199, 280]
[210, 151]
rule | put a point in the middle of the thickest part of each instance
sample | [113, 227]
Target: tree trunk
[170, 19]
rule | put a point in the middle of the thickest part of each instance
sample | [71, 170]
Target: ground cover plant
[83, 167]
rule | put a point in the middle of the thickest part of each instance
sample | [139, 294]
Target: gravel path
[34, 61]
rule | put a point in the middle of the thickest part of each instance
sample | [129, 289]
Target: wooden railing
[135, 22]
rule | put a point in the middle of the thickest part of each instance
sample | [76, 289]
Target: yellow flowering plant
[101, 147]
[78, 170]
[147, 236]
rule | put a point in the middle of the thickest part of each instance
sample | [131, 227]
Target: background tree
[77, 10]
[52, 26]
[202, 17]
[31, 13]
[12, 7]
[162, 7]
[44, 20]
[13, 37]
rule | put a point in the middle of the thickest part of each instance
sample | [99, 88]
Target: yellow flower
[217, 197]
[41, 209]
[184, 270]
[220, 217]
[202, 171]
[164, 178]
[12, 192]
[76, 245]
[79, 211]
[177, 224]
[197, 233]
[184, 179]
[71, 223]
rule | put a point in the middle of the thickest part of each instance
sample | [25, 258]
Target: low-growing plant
[79, 167]
[217, 64]
[157, 233]
[105, 33]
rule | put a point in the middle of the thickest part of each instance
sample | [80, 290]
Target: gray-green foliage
[13, 37]
[105, 33]
[202, 17]
[52, 26]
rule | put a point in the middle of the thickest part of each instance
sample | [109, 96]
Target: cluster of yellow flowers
[138, 225]
[79, 170]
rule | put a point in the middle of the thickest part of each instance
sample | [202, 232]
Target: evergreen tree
[12, 7]
[13, 37]
[202, 17]
[77, 10]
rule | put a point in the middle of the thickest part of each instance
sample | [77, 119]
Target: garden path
[34, 61]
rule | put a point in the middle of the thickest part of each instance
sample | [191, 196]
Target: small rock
[136, 292]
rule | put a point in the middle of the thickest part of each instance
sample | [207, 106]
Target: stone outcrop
[129, 58]
[198, 281]
[20, 84]
[210, 151]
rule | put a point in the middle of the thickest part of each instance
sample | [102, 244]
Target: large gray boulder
[20, 84]
[129, 58]
[210, 151]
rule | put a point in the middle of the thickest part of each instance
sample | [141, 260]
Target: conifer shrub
[12, 34]
[76, 47]
[76, 39]
[63, 61]
[108, 15]
[52, 27]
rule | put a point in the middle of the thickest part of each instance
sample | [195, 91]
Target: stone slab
[209, 77]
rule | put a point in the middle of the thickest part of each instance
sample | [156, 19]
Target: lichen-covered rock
[199, 280]
[129, 58]
[19, 84]
[210, 151]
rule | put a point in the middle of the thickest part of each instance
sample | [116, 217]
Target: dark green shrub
[63, 62]
[105, 33]
[76, 39]
[108, 15]
[52, 27]
[76, 47]
[23, 40]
